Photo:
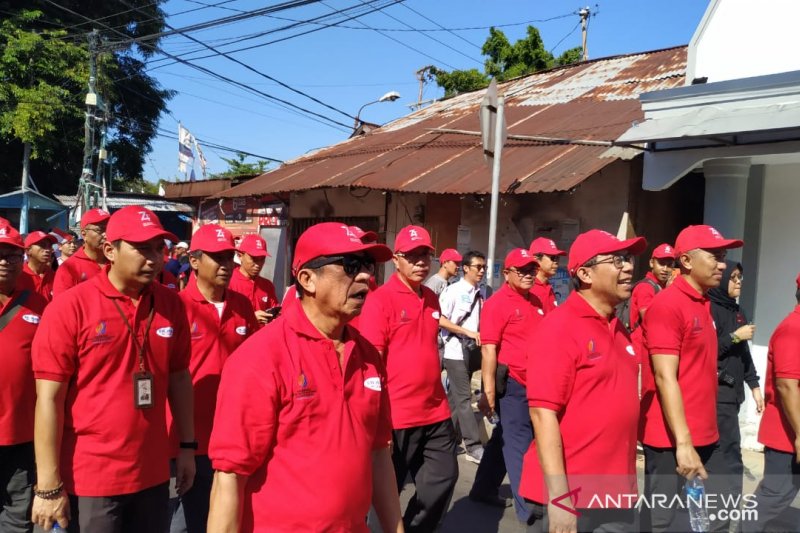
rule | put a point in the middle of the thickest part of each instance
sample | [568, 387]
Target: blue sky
[348, 67]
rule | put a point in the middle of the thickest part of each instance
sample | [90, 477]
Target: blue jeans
[517, 437]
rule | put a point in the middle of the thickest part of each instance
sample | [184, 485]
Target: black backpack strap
[11, 311]
[465, 317]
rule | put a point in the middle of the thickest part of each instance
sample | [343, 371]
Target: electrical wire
[442, 27]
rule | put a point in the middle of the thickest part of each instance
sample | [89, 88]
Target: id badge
[143, 390]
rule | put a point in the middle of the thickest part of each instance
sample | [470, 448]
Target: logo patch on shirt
[165, 332]
[540, 311]
[265, 298]
[436, 315]
[241, 330]
[373, 384]
[31, 319]
[304, 391]
[591, 347]
[696, 327]
[195, 331]
[100, 336]
[404, 316]
[170, 285]
[629, 349]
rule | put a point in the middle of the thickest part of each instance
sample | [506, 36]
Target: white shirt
[455, 302]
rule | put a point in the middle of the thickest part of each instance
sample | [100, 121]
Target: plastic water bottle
[494, 418]
[56, 527]
[695, 501]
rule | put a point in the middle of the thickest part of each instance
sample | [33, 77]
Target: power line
[441, 27]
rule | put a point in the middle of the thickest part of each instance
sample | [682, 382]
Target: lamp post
[391, 96]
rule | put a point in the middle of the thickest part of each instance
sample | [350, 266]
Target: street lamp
[391, 96]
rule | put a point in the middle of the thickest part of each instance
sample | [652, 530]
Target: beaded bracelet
[48, 494]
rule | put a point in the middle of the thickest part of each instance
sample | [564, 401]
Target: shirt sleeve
[491, 323]
[663, 330]
[246, 417]
[374, 323]
[64, 279]
[550, 377]
[55, 347]
[785, 347]
[447, 302]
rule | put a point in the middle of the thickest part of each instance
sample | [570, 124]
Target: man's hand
[689, 463]
[46, 512]
[474, 335]
[185, 470]
[560, 520]
[263, 317]
[797, 450]
[745, 332]
[485, 405]
[759, 399]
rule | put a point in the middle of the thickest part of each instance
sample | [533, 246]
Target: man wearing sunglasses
[88, 261]
[679, 380]
[582, 391]
[547, 254]
[302, 432]
[401, 319]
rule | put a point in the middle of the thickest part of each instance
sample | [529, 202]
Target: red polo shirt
[42, 285]
[213, 340]
[109, 447]
[77, 269]
[403, 327]
[17, 386]
[302, 427]
[679, 323]
[507, 321]
[168, 279]
[783, 361]
[582, 366]
[641, 298]
[259, 291]
[544, 292]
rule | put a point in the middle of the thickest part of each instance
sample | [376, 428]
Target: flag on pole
[185, 154]
[201, 157]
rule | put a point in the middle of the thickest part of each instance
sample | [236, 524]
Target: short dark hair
[469, 256]
[116, 244]
[197, 254]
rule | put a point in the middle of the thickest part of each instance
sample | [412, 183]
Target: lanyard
[139, 348]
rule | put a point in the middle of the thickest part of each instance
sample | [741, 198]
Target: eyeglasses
[524, 272]
[415, 257]
[352, 264]
[477, 267]
[99, 231]
[618, 260]
[11, 259]
[737, 278]
[553, 258]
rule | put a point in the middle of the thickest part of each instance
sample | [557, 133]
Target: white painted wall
[744, 38]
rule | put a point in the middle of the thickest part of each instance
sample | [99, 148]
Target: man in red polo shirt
[780, 427]
[582, 392]
[661, 262]
[507, 320]
[302, 431]
[247, 280]
[219, 320]
[20, 310]
[106, 359]
[401, 319]
[89, 260]
[38, 271]
[548, 255]
[679, 380]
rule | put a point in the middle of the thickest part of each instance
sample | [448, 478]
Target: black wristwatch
[191, 445]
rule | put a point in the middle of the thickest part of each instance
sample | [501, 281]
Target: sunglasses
[527, 271]
[352, 264]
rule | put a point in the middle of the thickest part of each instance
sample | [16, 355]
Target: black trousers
[17, 471]
[661, 481]
[774, 494]
[589, 520]
[428, 454]
[730, 443]
[146, 510]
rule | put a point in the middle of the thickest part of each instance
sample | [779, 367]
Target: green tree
[504, 61]
[44, 64]
[238, 167]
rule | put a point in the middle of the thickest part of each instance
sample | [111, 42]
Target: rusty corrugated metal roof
[203, 188]
[594, 100]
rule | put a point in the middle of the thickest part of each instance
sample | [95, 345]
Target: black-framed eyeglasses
[352, 264]
[415, 257]
[477, 267]
[11, 259]
[618, 260]
[527, 271]
[100, 231]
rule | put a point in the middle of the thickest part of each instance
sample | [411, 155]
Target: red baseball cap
[596, 242]
[545, 246]
[9, 235]
[135, 224]
[703, 236]
[664, 251]
[519, 257]
[450, 254]
[35, 237]
[212, 238]
[94, 216]
[365, 236]
[412, 237]
[254, 246]
[334, 238]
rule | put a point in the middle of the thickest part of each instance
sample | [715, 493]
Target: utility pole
[26, 173]
[584, 14]
[87, 175]
[423, 75]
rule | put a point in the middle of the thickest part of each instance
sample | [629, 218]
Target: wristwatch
[190, 445]
[735, 339]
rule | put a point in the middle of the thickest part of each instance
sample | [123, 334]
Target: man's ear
[584, 274]
[308, 280]
[110, 251]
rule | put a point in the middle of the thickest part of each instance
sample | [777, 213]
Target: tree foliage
[238, 167]
[44, 71]
[504, 61]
